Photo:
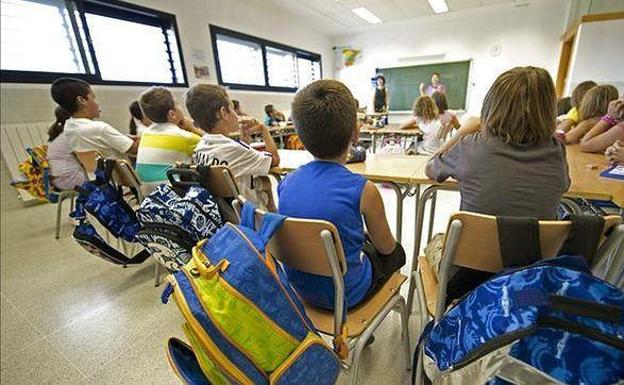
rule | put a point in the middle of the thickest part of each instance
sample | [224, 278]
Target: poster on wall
[201, 71]
[350, 56]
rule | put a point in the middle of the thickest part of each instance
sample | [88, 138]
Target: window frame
[110, 8]
[299, 53]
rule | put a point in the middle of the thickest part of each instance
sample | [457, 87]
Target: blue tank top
[329, 191]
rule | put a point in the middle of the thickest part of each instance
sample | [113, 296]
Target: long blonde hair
[425, 108]
[521, 106]
[596, 101]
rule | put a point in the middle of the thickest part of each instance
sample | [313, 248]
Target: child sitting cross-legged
[325, 117]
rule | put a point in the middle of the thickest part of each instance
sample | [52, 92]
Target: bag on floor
[35, 178]
[107, 224]
[175, 218]
[244, 323]
[528, 324]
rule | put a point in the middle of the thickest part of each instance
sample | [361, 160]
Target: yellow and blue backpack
[244, 322]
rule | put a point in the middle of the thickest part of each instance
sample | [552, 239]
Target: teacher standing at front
[380, 100]
[435, 86]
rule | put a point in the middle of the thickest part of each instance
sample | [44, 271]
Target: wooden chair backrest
[478, 246]
[124, 174]
[298, 245]
[218, 183]
[88, 160]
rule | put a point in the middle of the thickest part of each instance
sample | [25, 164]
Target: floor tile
[16, 331]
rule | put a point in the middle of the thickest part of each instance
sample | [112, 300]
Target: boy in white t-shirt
[84, 133]
[212, 111]
[170, 139]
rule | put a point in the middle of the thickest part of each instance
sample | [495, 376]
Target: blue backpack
[551, 322]
[175, 217]
[244, 322]
[107, 225]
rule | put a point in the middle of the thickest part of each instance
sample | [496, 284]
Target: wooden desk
[390, 129]
[395, 170]
[587, 183]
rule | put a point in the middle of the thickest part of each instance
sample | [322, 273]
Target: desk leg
[434, 200]
[374, 141]
[399, 210]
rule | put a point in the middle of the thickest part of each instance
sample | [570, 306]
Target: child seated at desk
[212, 110]
[571, 118]
[508, 163]
[171, 139]
[447, 118]
[273, 116]
[593, 106]
[84, 133]
[65, 171]
[427, 119]
[607, 131]
[324, 115]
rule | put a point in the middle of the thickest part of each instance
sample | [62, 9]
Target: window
[250, 63]
[101, 42]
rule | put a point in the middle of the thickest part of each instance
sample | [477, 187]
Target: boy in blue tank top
[325, 117]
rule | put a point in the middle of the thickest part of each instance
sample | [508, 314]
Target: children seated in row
[324, 115]
[508, 163]
[273, 117]
[572, 116]
[82, 131]
[212, 111]
[138, 121]
[171, 138]
[426, 118]
[65, 171]
[607, 131]
[593, 106]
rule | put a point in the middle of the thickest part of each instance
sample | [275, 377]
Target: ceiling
[334, 17]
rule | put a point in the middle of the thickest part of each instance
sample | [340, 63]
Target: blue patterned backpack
[243, 321]
[107, 225]
[548, 322]
[175, 217]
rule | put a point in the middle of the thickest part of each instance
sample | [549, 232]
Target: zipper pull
[167, 291]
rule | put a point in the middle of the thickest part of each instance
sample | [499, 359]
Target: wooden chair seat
[359, 317]
[430, 283]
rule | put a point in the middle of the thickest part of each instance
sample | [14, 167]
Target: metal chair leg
[59, 211]
[419, 367]
[156, 273]
[401, 308]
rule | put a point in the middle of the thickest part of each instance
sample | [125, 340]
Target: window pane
[282, 68]
[175, 54]
[240, 61]
[307, 71]
[37, 36]
[129, 51]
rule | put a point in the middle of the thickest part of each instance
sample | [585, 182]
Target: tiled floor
[70, 318]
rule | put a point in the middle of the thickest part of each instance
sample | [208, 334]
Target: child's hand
[616, 109]
[422, 88]
[615, 153]
[187, 124]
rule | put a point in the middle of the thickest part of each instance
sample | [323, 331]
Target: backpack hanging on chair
[244, 322]
[175, 217]
[550, 322]
[107, 225]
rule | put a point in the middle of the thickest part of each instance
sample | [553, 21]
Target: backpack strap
[584, 236]
[271, 222]
[519, 241]
[248, 215]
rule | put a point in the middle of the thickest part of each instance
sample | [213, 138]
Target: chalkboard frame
[380, 71]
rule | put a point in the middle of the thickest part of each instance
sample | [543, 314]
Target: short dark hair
[156, 102]
[203, 101]
[65, 91]
[564, 105]
[382, 78]
[325, 117]
[440, 100]
[135, 110]
[235, 103]
[268, 109]
[436, 73]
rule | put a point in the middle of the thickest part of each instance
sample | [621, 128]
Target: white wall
[21, 102]
[598, 54]
[527, 36]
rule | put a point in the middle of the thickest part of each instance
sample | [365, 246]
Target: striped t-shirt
[161, 146]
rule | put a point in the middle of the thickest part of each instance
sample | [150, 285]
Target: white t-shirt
[88, 135]
[244, 162]
[431, 132]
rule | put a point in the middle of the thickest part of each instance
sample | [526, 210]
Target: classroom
[311, 192]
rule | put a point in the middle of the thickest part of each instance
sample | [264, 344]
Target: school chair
[472, 241]
[314, 247]
[125, 176]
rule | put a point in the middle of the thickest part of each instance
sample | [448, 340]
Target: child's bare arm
[372, 207]
[470, 125]
[575, 134]
[565, 125]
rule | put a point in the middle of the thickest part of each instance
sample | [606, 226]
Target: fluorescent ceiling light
[366, 15]
[438, 6]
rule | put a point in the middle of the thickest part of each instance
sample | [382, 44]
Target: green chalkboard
[403, 83]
